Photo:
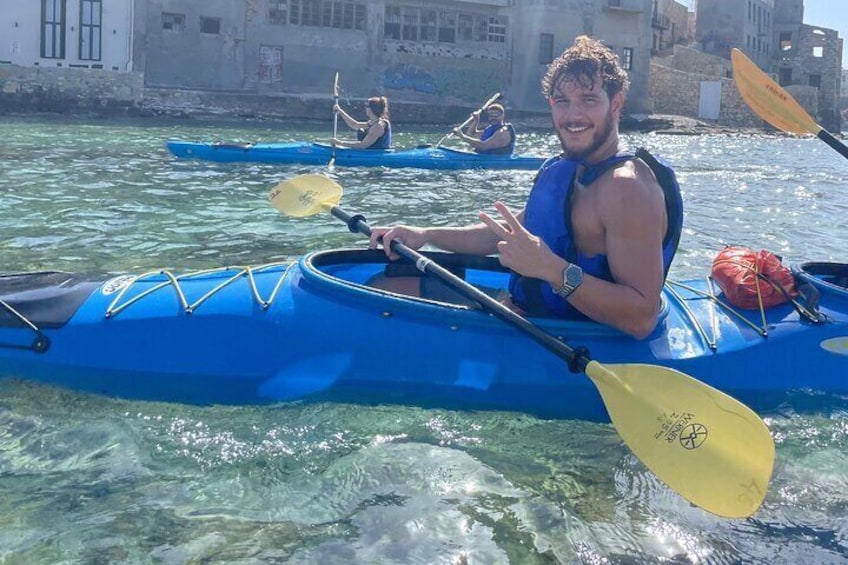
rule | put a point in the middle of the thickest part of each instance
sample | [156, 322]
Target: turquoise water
[88, 479]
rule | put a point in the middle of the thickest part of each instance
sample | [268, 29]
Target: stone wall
[282, 107]
[34, 89]
[678, 92]
[686, 59]
[113, 94]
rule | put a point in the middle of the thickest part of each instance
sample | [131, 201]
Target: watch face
[573, 275]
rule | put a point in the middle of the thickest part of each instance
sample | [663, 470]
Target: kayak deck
[424, 157]
[313, 330]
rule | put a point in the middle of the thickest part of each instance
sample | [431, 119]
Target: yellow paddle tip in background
[772, 103]
[305, 195]
[768, 99]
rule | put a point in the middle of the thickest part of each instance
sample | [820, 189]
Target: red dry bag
[740, 271]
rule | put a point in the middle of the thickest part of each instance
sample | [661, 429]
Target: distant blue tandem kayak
[425, 157]
[312, 330]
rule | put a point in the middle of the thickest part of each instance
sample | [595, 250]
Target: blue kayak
[425, 157]
[312, 330]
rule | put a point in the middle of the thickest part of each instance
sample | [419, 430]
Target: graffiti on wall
[408, 77]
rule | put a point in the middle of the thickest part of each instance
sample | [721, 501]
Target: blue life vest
[492, 130]
[382, 142]
[552, 191]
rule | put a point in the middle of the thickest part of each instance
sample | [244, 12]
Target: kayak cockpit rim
[317, 268]
[826, 276]
[352, 150]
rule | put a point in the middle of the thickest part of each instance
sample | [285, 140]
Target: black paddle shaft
[577, 357]
[828, 138]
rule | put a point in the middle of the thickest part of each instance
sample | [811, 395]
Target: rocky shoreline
[659, 124]
[200, 107]
[309, 109]
[665, 124]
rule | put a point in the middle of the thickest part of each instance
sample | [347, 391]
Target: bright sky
[830, 14]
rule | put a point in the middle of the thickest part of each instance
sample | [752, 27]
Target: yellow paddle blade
[305, 195]
[708, 447]
[768, 99]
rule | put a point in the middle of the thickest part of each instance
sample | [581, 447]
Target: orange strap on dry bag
[752, 279]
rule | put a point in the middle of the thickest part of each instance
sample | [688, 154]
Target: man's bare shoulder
[628, 176]
[630, 189]
[634, 169]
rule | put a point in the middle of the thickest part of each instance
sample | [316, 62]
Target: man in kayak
[600, 226]
[496, 138]
[376, 133]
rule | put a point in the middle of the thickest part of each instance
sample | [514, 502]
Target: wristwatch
[572, 277]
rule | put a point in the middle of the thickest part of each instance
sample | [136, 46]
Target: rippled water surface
[88, 479]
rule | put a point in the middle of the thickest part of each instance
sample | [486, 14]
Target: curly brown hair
[584, 62]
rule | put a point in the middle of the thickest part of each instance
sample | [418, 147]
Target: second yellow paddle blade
[708, 447]
[305, 195]
[768, 99]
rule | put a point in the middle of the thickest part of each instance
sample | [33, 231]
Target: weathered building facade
[68, 55]
[744, 24]
[434, 51]
[843, 93]
[434, 58]
[670, 25]
[83, 34]
[808, 56]
[805, 59]
[542, 29]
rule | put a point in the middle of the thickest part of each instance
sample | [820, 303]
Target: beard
[600, 136]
